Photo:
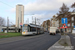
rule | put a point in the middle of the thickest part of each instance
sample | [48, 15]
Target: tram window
[38, 28]
[24, 28]
[28, 29]
[32, 29]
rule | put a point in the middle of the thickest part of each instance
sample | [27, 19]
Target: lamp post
[7, 24]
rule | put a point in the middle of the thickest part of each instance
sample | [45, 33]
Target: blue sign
[2, 30]
[74, 26]
[20, 25]
[64, 20]
[66, 24]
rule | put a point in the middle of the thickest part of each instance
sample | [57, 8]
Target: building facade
[54, 22]
[46, 25]
[72, 18]
[19, 15]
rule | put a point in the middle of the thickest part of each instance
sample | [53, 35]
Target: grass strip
[62, 42]
[10, 34]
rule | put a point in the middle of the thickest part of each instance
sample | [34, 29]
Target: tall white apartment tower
[19, 15]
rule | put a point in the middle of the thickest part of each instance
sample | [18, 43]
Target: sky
[41, 9]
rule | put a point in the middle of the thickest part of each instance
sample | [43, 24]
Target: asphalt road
[37, 42]
[72, 40]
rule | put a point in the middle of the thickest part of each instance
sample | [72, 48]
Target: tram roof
[33, 25]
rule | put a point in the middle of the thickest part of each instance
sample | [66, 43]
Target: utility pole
[18, 24]
[46, 25]
[38, 21]
[15, 28]
[35, 20]
[7, 24]
[28, 20]
[32, 19]
[21, 21]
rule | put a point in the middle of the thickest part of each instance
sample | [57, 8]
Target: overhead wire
[7, 4]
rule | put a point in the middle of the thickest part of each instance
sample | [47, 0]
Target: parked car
[57, 31]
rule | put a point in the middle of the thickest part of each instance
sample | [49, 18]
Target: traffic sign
[64, 20]
[74, 26]
[20, 24]
[64, 26]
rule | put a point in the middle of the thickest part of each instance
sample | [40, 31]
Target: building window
[72, 24]
[68, 19]
[72, 18]
[52, 21]
[68, 25]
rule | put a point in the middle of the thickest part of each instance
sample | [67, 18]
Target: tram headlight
[23, 32]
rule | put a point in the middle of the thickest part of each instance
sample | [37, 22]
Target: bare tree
[63, 9]
[2, 21]
[44, 24]
[73, 6]
[63, 13]
[48, 22]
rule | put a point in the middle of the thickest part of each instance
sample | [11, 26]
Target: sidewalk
[72, 36]
[58, 46]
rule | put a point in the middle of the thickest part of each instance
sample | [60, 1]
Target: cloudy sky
[41, 9]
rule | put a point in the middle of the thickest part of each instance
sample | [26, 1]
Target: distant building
[46, 25]
[54, 22]
[19, 15]
[10, 29]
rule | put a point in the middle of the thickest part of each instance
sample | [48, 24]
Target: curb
[54, 44]
[62, 47]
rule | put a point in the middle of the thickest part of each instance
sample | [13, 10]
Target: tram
[29, 29]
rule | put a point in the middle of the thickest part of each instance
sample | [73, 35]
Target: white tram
[29, 29]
